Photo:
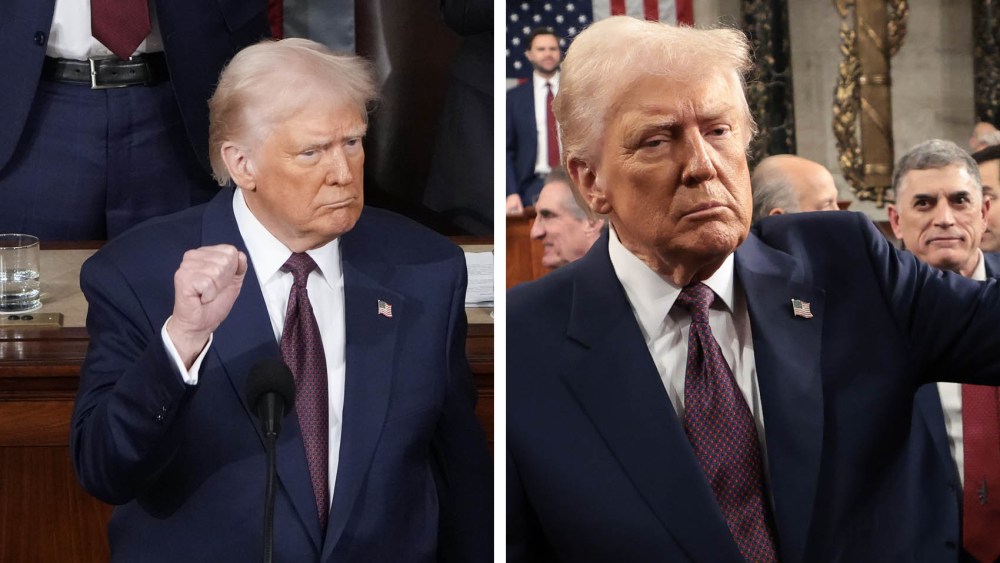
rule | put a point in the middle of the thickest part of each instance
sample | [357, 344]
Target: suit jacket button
[39, 38]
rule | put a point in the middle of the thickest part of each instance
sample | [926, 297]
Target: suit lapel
[616, 383]
[244, 338]
[787, 353]
[370, 358]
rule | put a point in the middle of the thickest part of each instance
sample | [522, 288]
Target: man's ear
[893, 214]
[776, 211]
[594, 226]
[585, 178]
[238, 163]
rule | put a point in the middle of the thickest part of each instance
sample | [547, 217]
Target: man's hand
[205, 287]
[514, 205]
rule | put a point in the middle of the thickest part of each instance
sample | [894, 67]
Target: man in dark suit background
[532, 150]
[940, 215]
[460, 181]
[383, 458]
[692, 391]
[78, 162]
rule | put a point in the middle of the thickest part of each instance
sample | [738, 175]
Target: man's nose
[338, 171]
[698, 167]
[537, 231]
[943, 215]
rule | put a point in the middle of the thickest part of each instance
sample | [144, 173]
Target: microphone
[270, 393]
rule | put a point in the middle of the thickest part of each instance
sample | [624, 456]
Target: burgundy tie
[722, 433]
[120, 25]
[302, 350]
[552, 133]
[981, 500]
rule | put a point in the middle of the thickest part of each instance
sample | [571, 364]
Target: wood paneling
[524, 255]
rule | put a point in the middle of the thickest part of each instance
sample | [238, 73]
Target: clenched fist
[205, 287]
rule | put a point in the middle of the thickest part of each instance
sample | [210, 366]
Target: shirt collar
[651, 295]
[979, 274]
[268, 254]
[539, 81]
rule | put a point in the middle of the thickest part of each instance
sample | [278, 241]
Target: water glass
[20, 291]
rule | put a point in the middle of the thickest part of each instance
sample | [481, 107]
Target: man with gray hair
[939, 214]
[696, 390]
[984, 134]
[383, 458]
[565, 230]
[785, 183]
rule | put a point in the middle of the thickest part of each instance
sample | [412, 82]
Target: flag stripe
[685, 12]
[652, 9]
[635, 8]
[603, 9]
[617, 7]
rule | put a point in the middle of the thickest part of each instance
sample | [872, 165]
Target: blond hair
[609, 56]
[267, 82]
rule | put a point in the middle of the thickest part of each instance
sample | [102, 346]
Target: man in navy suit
[529, 157]
[183, 306]
[692, 390]
[940, 215]
[83, 159]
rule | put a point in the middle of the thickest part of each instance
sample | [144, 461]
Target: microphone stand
[270, 444]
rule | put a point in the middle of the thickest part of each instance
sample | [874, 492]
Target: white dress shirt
[70, 38]
[326, 295]
[666, 330]
[951, 400]
[541, 120]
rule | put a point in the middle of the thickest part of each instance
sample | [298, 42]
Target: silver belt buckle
[93, 75]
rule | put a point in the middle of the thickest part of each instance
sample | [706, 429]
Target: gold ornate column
[871, 32]
[986, 59]
[769, 91]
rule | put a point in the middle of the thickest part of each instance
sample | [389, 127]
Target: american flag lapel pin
[384, 309]
[800, 308]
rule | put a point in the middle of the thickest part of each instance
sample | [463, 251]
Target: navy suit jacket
[600, 469]
[199, 36]
[934, 485]
[522, 140]
[187, 464]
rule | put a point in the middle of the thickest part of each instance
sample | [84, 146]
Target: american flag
[801, 309]
[384, 309]
[569, 17]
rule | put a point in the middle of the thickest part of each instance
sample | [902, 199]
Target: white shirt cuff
[190, 377]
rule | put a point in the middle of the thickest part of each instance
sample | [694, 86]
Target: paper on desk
[480, 290]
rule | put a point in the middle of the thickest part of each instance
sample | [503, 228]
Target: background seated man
[988, 160]
[984, 134]
[786, 183]
[383, 458]
[565, 230]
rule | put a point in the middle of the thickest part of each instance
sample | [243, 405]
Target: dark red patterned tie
[722, 433]
[302, 350]
[981, 447]
[552, 134]
[120, 25]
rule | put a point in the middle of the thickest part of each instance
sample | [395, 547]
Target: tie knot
[299, 264]
[697, 298]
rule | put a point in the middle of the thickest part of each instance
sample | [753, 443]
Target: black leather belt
[110, 72]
